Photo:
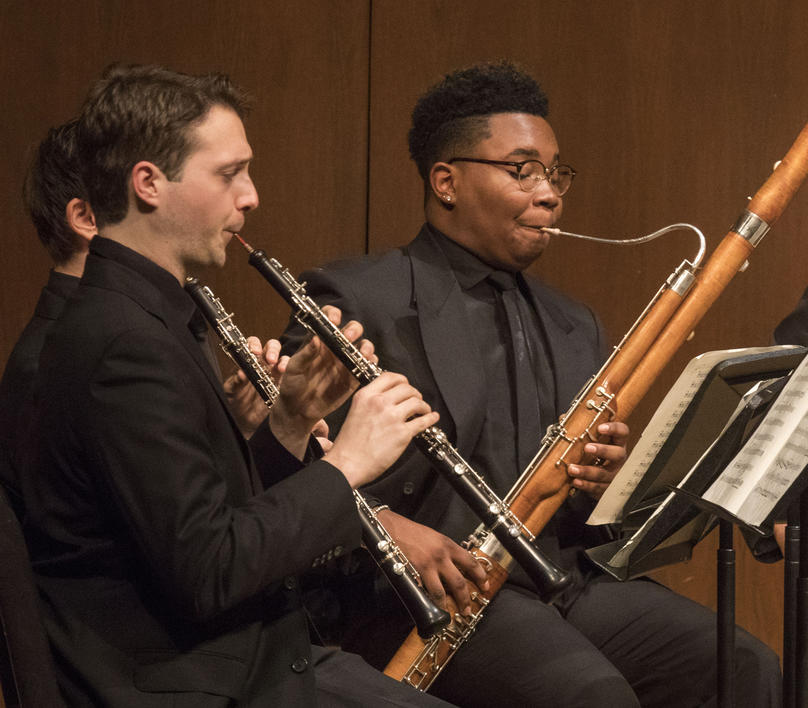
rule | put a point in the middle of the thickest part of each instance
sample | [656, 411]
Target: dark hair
[52, 180]
[453, 114]
[136, 113]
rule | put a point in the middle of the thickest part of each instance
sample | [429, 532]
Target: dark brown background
[671, 111]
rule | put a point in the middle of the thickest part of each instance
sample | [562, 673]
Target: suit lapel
[118, 277]
[191, 345]
[453, 357]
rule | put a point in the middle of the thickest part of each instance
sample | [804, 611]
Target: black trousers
[620, 644]
[346, 681]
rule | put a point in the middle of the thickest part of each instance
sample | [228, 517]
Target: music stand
[659, 527]
[754, 412]
[757, 379]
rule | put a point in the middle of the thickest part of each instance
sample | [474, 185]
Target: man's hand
[314, 384]
[444, 566]
[779, 533]
[594, 479]
[320, 432]
[384, 416]
[246, 406]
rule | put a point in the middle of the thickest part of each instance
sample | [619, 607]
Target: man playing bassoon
[492, 177]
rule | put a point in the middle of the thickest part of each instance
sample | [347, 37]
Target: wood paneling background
[671, 111]
[304, 64]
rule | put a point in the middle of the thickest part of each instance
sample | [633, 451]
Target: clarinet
[402, 575]
[511, 539]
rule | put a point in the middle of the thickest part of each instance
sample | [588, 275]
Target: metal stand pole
[725, 616]
[801, 663]
[790, 594]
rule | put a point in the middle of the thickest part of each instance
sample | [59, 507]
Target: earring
[447, 197]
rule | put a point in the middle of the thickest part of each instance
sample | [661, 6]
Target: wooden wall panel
[671, 111]
[305, 66]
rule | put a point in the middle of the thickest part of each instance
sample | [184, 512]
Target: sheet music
[622, 557]
[610, 507]
[773, 457]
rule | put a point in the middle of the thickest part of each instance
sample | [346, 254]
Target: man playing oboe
[165, 547]
[500, 356]
[57, 202]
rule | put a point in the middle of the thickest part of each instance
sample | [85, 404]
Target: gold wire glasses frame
[531, 173]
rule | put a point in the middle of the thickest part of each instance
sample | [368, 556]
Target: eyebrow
[529, 154]
[235, 164]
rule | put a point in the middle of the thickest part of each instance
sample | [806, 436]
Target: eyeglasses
[531, 173]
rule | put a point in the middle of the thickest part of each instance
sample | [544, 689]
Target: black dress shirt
[496, 453]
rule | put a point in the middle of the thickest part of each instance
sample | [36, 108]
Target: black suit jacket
[411, 307]
[19, 373]
[164, 555]
[794, 328]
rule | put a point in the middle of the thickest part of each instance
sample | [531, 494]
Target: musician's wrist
[353, 466]
[290, 430]
[389, 519]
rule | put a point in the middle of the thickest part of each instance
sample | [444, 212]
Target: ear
[147, 180]
[441, 182]
[80, 218]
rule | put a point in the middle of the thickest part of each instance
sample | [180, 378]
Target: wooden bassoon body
[612, 393]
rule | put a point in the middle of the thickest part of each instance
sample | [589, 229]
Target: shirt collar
[173, 295]
[62, 284]
[468, 268]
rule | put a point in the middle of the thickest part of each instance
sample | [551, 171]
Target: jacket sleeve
[794, 328]
[183, 492]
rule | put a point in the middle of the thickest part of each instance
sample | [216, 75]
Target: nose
[544, 195]
[248, 197]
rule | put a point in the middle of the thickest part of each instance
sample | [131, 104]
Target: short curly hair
[52, 181]
[453, 114]
[143, 112]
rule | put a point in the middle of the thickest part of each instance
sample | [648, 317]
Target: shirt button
[290, 582]
[409, 488]
[299, 665]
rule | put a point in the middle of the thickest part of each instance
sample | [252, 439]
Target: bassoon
[611, 393]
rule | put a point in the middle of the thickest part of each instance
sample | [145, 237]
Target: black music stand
[685, 512]
[659, 527]
[791, 573]
[795, 608]
[795, 605]
[795, 620]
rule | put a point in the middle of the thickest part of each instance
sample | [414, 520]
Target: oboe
[232, 341]
[402, 575]
[502, 537]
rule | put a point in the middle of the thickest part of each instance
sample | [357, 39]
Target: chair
[29, 678]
